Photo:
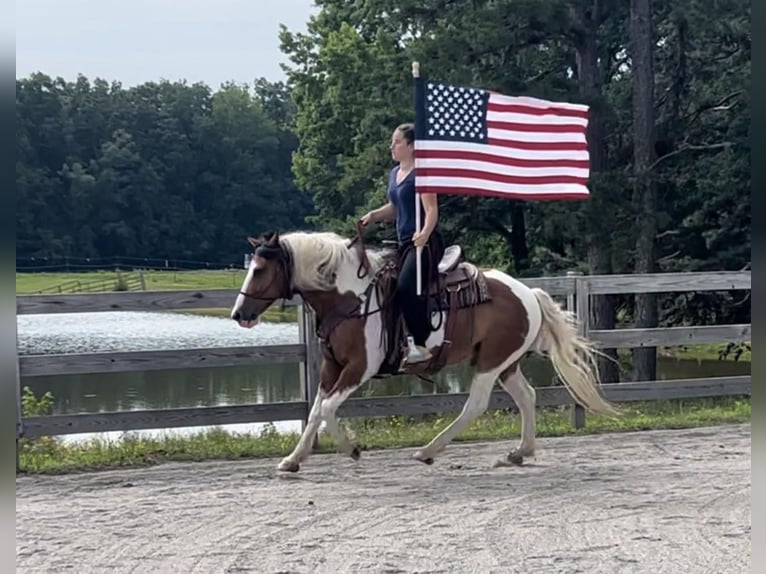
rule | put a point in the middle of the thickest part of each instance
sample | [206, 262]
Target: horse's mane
[318, 258]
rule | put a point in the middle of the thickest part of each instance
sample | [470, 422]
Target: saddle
[458, 284]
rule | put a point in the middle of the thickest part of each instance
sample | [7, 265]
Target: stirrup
[414, 354]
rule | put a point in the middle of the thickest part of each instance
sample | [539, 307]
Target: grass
[30, 283]
[49, 456]
[156, 280]
[706, 352]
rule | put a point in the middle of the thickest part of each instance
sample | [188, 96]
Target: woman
[401, 208]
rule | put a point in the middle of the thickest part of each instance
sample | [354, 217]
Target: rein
[358, 241]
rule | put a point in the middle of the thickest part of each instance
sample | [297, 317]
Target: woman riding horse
[401, 209]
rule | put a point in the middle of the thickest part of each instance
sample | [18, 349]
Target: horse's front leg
[292, 462]
[348, 381]
[328, 375]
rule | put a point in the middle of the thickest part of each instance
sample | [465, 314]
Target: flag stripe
[543, 128]
[425, 155]
[528, 179]
[528, 136]
[520, 117]
[531, 106]
[571, 148]
[429, 164]
[542, 151]
[481, 186]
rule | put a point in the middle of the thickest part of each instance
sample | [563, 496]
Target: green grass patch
[156, 280]
[703, 352]
[710, 352]
[49, 455]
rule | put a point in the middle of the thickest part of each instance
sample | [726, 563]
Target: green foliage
[32, 406]
[160, 170]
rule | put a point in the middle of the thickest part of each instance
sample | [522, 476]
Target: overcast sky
[135, 41]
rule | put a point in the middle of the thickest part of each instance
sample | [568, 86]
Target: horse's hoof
[356, 454]
[288, 465]
[424, 459]
[515, 457]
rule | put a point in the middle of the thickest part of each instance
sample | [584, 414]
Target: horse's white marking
[240, 300]
[436, 337]
[303, 447]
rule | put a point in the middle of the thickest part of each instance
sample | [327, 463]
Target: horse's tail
[574, 358]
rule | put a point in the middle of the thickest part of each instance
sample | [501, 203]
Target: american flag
[476, 142]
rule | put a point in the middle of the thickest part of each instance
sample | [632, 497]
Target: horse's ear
[254, 242]
[272, 238]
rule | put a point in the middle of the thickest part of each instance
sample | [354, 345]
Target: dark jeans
[414, 308]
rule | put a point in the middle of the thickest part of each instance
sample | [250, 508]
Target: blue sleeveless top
[402, 196]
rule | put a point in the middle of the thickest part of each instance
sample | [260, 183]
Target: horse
[494, 325]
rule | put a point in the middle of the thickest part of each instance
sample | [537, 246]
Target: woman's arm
[385, 213]
[431, 205]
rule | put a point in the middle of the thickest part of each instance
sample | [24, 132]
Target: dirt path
[664, 501]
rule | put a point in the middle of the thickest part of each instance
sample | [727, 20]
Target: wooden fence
[575, 289]
[121, 281]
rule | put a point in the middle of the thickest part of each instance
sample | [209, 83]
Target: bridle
[281, 255]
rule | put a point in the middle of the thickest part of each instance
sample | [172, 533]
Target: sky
[135, 41]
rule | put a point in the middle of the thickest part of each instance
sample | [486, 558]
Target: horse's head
[268, 279]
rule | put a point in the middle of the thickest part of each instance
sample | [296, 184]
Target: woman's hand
[367, 218]
[420, 238]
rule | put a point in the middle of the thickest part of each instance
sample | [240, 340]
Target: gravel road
[660, 501]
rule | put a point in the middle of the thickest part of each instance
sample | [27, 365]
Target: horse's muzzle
[247, 323]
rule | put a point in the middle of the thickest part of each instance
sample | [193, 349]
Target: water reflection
[141, 331]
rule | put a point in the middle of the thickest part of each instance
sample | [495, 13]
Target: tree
[645, 193]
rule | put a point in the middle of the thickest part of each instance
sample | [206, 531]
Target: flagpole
[418, 250]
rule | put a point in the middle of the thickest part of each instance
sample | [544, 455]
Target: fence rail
[577, 290]
[121, 281]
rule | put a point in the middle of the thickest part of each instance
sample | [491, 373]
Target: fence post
[311, 365]
[579, 302]
[19, 414]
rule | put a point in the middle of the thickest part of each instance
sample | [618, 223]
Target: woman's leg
[414, 307]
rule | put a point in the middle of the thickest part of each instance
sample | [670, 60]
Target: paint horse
[350, 287]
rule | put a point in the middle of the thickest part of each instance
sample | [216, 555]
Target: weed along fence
[576, 290]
